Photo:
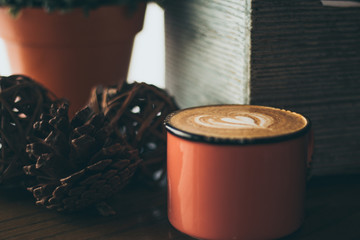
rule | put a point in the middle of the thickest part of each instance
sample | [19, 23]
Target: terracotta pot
[70, 53]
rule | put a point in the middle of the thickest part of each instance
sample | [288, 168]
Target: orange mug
[237, 171]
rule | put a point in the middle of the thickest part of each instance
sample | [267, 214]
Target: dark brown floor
[332, 212]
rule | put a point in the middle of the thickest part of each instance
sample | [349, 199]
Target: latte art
[237, 121]
[245, 121]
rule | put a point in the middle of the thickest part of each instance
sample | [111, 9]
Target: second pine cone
[77, 163]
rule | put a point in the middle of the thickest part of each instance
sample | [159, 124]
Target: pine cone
[137, 111]
[22, 100]
[77, 163]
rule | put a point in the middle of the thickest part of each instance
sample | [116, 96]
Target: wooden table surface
[332, 212]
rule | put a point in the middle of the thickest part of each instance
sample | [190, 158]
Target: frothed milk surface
[237, 121]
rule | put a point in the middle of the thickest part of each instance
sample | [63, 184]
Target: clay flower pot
[69, 53]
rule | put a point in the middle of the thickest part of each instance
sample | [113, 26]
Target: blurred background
[148, 59]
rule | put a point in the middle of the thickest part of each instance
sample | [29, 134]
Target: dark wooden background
[332, 212]
[306, 57]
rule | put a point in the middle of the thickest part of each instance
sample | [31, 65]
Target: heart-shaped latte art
[235, 121]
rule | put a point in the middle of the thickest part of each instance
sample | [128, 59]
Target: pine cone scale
[73, 178]
[99, 166]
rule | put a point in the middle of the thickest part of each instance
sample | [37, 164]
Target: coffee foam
[237, 121]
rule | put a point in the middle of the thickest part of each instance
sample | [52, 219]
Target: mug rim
[234, 141]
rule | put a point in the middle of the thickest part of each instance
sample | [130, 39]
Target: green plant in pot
[71, 45]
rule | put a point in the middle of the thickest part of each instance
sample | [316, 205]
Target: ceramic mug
[237, 171]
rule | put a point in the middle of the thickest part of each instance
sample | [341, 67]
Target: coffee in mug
[237, 171]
